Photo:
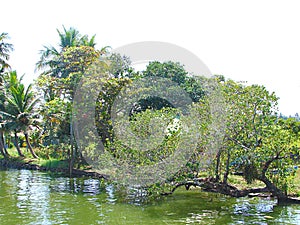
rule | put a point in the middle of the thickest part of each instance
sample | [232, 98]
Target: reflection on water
[32, 197]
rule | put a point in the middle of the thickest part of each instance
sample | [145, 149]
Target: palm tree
[19, 111]
[72, 38]
[50, 56]
[2, 107]
[2, 144]
[8, 80]
[3, 149]
[5, 49]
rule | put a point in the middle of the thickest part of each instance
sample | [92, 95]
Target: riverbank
[236, 187]
[17, 163]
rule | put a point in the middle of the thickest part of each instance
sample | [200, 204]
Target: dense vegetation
[256, 141]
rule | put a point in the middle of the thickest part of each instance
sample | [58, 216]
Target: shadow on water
[33, 197]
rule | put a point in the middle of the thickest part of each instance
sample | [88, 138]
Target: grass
[240, 183]
[297, 179]
[49, 163]
[296, 183]
[47, 158]
[53, 163]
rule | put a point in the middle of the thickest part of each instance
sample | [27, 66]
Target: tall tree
[5, 49]
[50, 60]
[19, 112]
[62, 68]
[257, 142]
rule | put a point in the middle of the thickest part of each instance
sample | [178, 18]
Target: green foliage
[75, 59]
[120, 66]
[50, 56]
[250, 173]
[170, 70]
[257, 142]
[63, 69]
[109, 91]
[149, 147]
[19, 108]
[72, 37]
[19, 111]
[176, 73]
[5, 49]
[53, 164]
[54, 151]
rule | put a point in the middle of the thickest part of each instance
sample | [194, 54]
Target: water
[32, 197]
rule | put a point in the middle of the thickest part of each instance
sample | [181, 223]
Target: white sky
[257, 40]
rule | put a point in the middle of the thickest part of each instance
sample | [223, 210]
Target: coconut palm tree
[3, 150]
[2, 107]
[19, 111]
[5, 49]
[8, 80]
[50, 56]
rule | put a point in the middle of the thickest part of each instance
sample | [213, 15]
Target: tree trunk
[17, 145]
[2, 146]
[281, 196]
[217, 176]
[226, 174]
[29, 146]
[72, 152]
[2, 149]
[3, 142]
[8, 142]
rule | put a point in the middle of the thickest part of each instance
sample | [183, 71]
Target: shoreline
[15, 164]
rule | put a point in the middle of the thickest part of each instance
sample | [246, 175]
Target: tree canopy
[253, 139]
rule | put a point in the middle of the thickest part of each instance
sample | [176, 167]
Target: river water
[32, 197]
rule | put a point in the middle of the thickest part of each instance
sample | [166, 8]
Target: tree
[170, 70]
[120, 66]
[50, 60]
[5, 49]
[19, 112]
[63, 68]
[177, 73]
[256, 141]
[110, 90]
[58, 91]
[248, 109]
[174, 72]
